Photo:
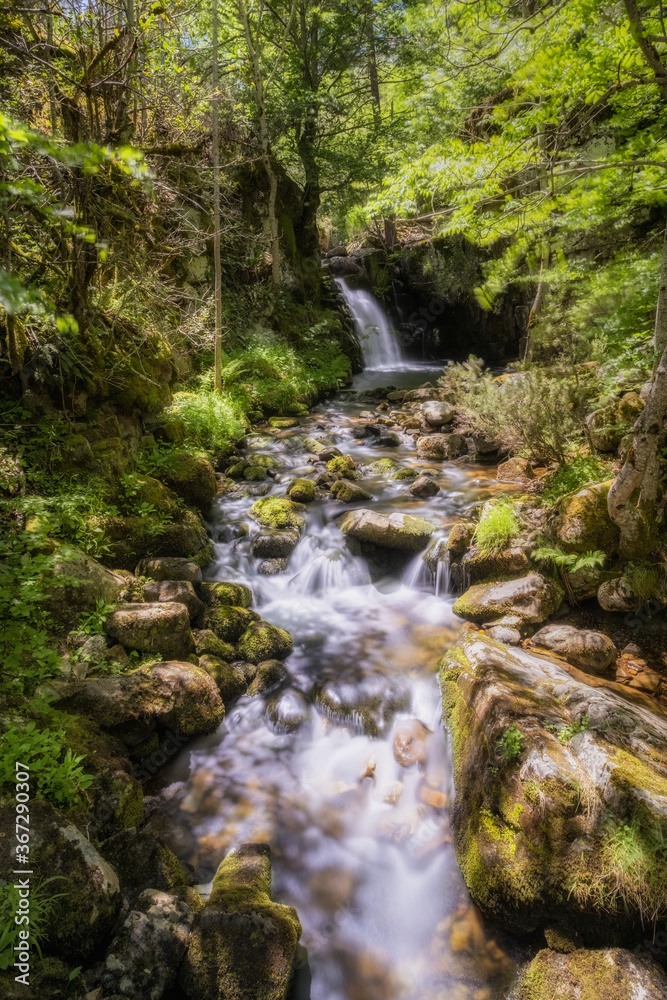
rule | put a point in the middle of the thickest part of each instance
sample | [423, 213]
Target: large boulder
[162, 628]
[278, 512]
[531, 598]
[515, 470]
[229, 623]
[561, 792]
[274, 544]
[264, 642]
[581, 523]
[441, 446]
[609, 973]
[145, 955]
[77, 583]
[191, 478]
[243, 945]
[437, 413]
[301, 490]
[230, 679]
[582, 647]
[393, 531]
[175, 592]
[608, 426]
[484, 564]
[132, 539]
[346, 492]
[221, 593]
[90, 899]
[620, 594]
[170, 568]
[175, 694]
[142, 860]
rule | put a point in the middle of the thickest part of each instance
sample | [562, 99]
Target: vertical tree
[217, 266]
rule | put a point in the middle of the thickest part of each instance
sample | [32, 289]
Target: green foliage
[567, 732]
[570, 561]
[510, 744]
[93, 622]
[56, 772]
[497, 526]
[212, 419]
[42, 904]
[573, 474]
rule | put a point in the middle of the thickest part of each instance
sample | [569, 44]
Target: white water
[380, 346]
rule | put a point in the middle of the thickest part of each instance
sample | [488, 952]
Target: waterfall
[379, 342]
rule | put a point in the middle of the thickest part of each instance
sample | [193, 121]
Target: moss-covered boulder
[230, 679]
[404, 475]
[142, 860]
[393, 531]
[170, 568]
[283, 423]
[608, 973]
[192, 478]
[162, 628]
[439, 447]
[83, 917]
[383, 467]
[301, 490]
[76, 583]
[477, 564]
[278, 512]
[561, 792]
[134, 539]
[531, 598]
[342, 465]
[460, 536]
[582, 647]
[175, 694]
[229, 623]
[171, 431]
[581, 523]
[206, 641]
[608, 425]
[220, 594]
[175, 592]
[148, 490]
[268, 674]
[243, 945]
[346, 492]
[264, 642]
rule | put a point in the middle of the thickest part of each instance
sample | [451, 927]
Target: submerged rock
[371, 701]
[532, 598]
[274, 544]
[410, 743]
[561, 782]
[243, 944]
[424, 487]
[272, 567]
[153, 628]
[394, 531]
[609, 973]
[582, 647]
[145, 955]
[288, 711]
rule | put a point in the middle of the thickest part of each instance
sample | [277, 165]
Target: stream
[361, 844]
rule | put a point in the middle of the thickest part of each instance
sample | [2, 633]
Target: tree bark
[217, 265]
[660, 330]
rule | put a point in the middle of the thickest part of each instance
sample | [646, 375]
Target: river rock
[367, 430]
[274, 544]
[421, 395]
[371, 700]
[607, 426]
[229, 623]
[288, 711]
[175, 694]
[153, 628]
[405, 475]
[78, 582]
[264, 642]
[206, 641]
[347, 492]
[424, 487]
[170, 568]
[393, 531]
[437, 413]
[515, 470]
[582, 647]
[504, 633]
[619, 595]
[243, 944]
[191, 478]
[224, 594]
[441, 446]
[410, 741]
[581, 521]
[229, 678]
[460, 536]
[144, 957]
[536, 825]
[532, 598]
[176, 592]
[609, 973]
[271, 567]
[268, 674]
[484, 564]
[80, 922]
[278, 512]
[301, 490]
[283, 423]
[342, 465]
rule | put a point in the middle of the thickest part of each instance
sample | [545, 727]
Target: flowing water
[379, 341]
[361, 845]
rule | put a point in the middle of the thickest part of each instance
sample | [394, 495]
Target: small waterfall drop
[379, 342]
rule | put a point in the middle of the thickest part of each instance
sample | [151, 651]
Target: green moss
[402, 474]
[609, 973]
[384, 466]
[192, 478]
[301, 490]
[231, 681]
[254, 473]
[219, 594]
[264, 642]
[229, 623]
[207, 642]
[278, 512]
[342, 465]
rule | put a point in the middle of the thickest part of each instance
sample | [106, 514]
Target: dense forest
[333, 480]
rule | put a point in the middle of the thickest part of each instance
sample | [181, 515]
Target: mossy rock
[346, 492]
[605, 974]
[220, 594]
[76, 583]
[402, 475]
[133, 539]
[401, 532]
[142, 860]
[532, 598]
[229, 677]
[111, 456]
[269, 673]
[192, 478]
[301, 490]
[243, 945]
[460, 537]
[151, 491]
[264, 642]
[228, 622]
[171, 431]
[608, 426]
[278, 512]
[254, 473]
[581, 523]
[384, 466]
[283, 423]
[342, 465]
[207, 642]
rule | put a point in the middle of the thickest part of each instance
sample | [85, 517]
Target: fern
[570, 561]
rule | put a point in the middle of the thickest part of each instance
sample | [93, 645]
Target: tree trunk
[217, 265]
[660, 331]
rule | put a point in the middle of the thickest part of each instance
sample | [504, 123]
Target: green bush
[498, 524]
[56, 772]
[510, 744]
[574, 474]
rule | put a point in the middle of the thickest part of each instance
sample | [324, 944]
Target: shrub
[510, 744]
[497, 525]
[574, 474]
[56, 771]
